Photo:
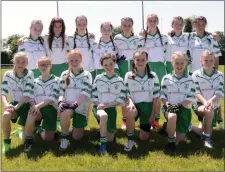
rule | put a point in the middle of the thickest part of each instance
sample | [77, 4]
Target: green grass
[82, 155]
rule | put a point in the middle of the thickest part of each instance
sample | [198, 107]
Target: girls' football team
[134, 72]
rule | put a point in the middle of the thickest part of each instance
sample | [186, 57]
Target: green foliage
[12, 42]
[116, 30]
[221, 40]
[188, 25]
[5, 57]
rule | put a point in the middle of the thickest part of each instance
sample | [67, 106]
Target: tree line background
[11, 42]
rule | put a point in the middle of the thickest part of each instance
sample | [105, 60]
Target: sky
[17, 15]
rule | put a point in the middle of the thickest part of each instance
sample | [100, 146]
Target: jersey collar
[184, 75]
[109, 77]
[204, 73]
[75, 75]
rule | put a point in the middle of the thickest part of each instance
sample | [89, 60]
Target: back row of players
[159, 48]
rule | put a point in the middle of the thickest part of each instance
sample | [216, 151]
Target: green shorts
[49, 116]
[183, 119]
[79, 120]
[159, 68]
[36, 72]
[22, 112]
[57, 69]
[112, 114]
[124, 67]
[144, 110]
[214, 122]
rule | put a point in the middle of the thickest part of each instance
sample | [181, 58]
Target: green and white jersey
[197, 45]
[80, 84]
[176, 43]
[34, 49]
[208, 86]
[82, 45]
[100, 49]
[18, 87]
[176, 90]
[57, 53]
[107, 90]
[142, 89]
[126, 46]
[153, 46]
[44, 90]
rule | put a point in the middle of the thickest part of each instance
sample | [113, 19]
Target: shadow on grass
[90, 144]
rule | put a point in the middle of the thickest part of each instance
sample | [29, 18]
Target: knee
[172, 117]
[6, 117]
[78, 137]
[103, 116]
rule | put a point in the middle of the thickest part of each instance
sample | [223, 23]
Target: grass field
[148, 155]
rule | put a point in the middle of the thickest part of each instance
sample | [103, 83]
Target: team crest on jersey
[116, 86]
[186, 86]
[20, 89]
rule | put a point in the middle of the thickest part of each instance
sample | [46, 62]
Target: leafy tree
[221, 40]
[116, 30]
[12, 42]
[5, 58]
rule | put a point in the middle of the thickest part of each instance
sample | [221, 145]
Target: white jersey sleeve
[17, 87]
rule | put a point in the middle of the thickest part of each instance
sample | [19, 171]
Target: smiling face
[140, 61]
[74, 59]
[200, 24]
[152, 21]
[20, 63]
[179, 62]
[57, 28]
[44, 65]
[106, 29]
[177, 25]
[81, 24]
[207, 60]
[127, 26]
[36, 28]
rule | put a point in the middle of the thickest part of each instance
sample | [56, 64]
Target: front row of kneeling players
[37, 99]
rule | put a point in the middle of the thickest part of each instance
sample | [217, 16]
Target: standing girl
[127, 44]
[209, 89]
[44, 104]
[55, 45]
[34, 46]
[105, 45]
[143, 93]
[75, 90]
[19, 84]
[81, 41]
[108, 91]
[177, 94]
[155, 44]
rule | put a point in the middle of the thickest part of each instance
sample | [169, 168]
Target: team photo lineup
[59, 80]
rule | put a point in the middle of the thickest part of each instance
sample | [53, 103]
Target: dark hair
[75, 34]
[114, 48]
[51, 31]
[129, 19]
[200, 18]
[107, 56]
[172, 33]
[150, 75]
